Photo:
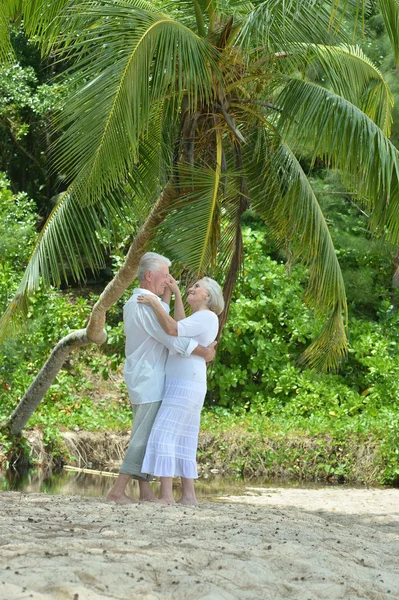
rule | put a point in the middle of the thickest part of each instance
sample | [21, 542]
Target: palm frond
[71, 234]
[127, 63]
[7, 13]
[390, 13]
[282, 195]
[233, 205]
[75, 235]
[148, 176]
[326, 125]
[274, 26]
[190, 233]
[354, 76]
[40, 19]
[54, 22]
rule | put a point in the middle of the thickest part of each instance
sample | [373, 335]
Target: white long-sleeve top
[147, 348]
[202, 326]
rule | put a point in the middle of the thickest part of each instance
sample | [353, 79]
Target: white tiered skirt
[172, 445]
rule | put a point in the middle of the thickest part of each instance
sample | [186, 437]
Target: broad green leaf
[128, 63]
[192, 229]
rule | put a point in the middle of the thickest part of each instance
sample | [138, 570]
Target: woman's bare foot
[166, 493]
[149, 497]
[146, 493]
[188, 492]
[167, 500]
[188, 500]
[119, 498]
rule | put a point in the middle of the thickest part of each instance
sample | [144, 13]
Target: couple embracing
[165, 374]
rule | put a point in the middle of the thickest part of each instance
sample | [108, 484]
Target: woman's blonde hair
[216, 300]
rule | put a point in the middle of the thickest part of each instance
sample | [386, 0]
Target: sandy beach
[274, 543]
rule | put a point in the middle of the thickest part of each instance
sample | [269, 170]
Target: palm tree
[190, 113]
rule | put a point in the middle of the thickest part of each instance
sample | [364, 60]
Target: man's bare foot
[188, 500]
[120, 498]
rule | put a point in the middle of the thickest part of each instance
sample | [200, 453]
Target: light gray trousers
[143, 420]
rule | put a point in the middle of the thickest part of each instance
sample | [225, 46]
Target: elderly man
[147, 347]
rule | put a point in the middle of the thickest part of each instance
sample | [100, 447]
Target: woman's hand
[173, 285]
[148, 300]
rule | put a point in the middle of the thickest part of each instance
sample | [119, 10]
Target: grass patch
[257, 446]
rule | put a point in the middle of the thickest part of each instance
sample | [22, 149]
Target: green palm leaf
[274, 26]
[191, 231]
[326, 125]
[234, 204]
[131, 60]
[59, 22]
[72, 235]
[75, 236]
[282, 195]
[390, 13]
[354, 76]
[9, 11]
[40, 19]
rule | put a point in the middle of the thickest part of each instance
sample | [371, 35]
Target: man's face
[158, 279]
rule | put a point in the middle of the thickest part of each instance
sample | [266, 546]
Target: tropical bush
[268, 326]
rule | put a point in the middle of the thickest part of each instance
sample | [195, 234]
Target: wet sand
[268, 544]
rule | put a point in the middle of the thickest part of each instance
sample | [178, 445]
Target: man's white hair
[151, 261]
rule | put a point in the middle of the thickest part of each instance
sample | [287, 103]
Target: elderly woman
[172, 445]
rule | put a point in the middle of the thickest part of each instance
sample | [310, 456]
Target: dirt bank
[291, 457]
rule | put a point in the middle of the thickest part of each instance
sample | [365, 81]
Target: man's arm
[206, 352]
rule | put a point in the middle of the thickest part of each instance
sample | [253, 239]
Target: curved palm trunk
[94, 331]
[237, 256]
[231, 279]
[43, 380]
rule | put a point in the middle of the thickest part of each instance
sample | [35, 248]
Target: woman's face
[197, 294]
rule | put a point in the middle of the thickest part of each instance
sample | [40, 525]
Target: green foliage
[269, 325]
[377, 45]
[26, 105]
[365, 260]
[17, 219]
[267, 329]
[283, 448]
[284, 420]
[256, 381]
[69, 403]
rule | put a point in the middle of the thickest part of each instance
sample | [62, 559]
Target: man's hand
[210, 352]
[206, 352]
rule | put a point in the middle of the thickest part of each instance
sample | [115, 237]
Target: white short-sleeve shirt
[202, 326]
[147, 348]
